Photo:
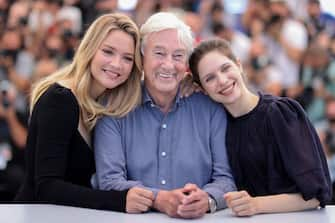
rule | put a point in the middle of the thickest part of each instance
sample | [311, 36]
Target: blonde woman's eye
[129, 59]
[109, 52]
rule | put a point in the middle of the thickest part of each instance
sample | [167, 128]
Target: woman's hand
[139, 200]
[241, 203]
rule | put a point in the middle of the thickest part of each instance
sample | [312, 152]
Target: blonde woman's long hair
[115, 102]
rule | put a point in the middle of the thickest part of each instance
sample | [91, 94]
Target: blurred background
[287, 48]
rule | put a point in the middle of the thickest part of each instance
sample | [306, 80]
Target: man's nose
[168, 62]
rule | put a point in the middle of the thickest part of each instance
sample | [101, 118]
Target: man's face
[164, 62]
[11, 40]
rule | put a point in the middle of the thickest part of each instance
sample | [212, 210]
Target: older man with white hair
[172, 146]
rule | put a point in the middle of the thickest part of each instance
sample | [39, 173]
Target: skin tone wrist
[242, 204]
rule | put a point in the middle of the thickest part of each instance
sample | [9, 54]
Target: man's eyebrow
[159, 48]
[180, 51]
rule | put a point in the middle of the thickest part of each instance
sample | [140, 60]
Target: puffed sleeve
[58, 116]
[300, 149]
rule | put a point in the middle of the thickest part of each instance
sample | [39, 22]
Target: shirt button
[164, 126]
[163, 182]
[163, 153]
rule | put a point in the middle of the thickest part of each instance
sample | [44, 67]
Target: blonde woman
[103, 79]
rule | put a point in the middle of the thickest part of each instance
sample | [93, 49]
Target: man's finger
[190, 187]
[189, 207]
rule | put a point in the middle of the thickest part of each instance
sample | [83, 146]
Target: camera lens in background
[53, 52]
[9, 53]
[67, 33]
[23, 21]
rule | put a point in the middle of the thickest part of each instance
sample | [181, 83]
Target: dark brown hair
[207, 46]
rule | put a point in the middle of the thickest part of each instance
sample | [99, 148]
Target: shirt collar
[146, 98]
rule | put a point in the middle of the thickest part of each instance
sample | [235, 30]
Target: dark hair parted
[207, 46]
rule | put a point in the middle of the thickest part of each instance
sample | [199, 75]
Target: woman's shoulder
[275, 106]
[57, 105]
[57, 98]
[58, 94]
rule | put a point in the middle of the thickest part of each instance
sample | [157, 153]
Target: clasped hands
[187, 202]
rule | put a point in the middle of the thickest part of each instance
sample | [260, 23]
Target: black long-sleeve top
[58, 160]
[274, 149]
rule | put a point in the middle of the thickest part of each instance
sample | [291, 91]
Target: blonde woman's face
[113, 61]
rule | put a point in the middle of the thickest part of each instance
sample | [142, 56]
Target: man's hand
[139, 200]
[168, 201]
[195, 205]
[241, 203]
[188, 86]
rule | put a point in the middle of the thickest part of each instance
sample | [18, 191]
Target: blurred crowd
[286, 46]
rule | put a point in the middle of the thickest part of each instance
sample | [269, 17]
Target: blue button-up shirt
[165, 151]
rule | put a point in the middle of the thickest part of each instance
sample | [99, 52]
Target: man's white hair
[164, 20]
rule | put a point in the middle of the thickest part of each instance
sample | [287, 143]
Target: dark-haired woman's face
[221, 77]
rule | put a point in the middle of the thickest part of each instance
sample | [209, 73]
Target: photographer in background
[262, 74]
[318, 21]
[16, 65]
[316, 81]
[13, 134]
[285, 39]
